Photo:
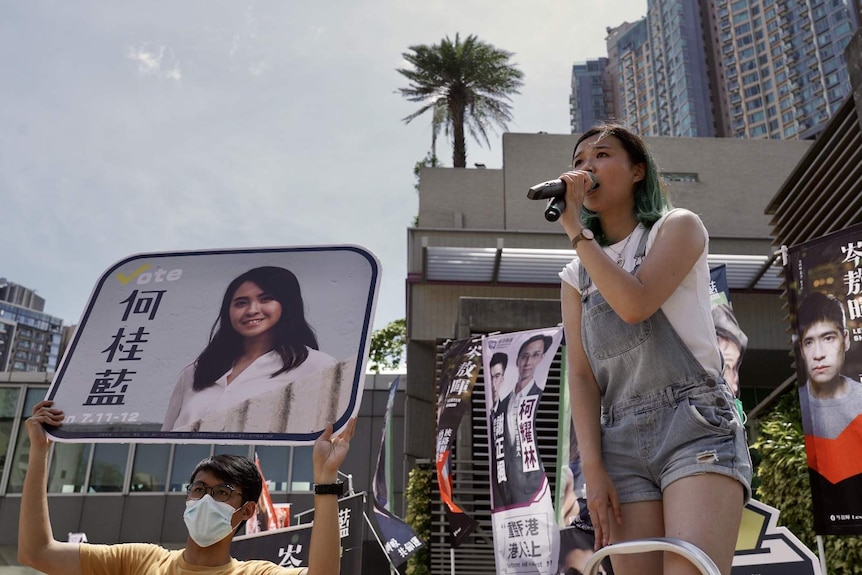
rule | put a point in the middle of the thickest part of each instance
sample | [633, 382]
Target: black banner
[289, 547]
[399, 540]
[824, 292]
[461, 362]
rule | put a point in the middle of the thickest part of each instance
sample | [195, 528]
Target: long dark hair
[291, 336]
[651, 200]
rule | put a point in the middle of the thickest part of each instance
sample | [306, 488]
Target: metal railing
[691, 552]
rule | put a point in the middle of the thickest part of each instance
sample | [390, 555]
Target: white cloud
[149, 61]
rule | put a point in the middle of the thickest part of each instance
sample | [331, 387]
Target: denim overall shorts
[663, 416]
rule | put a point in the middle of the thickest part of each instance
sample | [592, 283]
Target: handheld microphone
[554, 191]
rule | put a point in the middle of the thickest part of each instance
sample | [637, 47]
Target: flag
[266, 517]
[399, 539]
[461, 362]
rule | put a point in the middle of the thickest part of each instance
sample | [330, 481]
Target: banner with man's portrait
[526, 534]
[824, 290]
[226, 346]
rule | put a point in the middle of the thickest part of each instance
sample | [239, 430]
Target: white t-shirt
[188, 406]
[688, 307]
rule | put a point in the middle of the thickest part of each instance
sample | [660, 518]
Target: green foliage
[419, 517]
[783, 484]
[388, 345]
[465, 85]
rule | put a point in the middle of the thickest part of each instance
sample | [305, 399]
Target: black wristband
[329, 489]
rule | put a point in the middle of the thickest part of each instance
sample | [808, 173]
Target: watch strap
[329, 489]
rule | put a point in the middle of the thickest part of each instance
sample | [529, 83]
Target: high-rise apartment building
[730, 68]
[29, 338]
[591, 97]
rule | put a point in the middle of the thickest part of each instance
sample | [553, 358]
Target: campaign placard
[824, 292]
[224, 346]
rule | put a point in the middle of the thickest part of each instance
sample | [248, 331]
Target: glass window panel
[8, 403]
[68, 467]
[150, 467]
[109, 468]
[274, 462]
[303, 472]
[22, 444]
[231, 450]
[186, 458]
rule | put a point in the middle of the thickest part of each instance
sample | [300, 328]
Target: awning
[541, 266]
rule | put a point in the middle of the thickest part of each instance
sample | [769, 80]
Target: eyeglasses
[220, 493]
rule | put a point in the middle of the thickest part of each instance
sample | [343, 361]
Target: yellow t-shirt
[147, 559]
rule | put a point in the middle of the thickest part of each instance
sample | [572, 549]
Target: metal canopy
[541, 266]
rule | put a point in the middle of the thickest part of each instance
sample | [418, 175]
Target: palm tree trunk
[459, 144]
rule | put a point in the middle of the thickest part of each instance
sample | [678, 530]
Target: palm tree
[466, 85]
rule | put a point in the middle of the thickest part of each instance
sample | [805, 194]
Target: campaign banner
[289, 547]
[824, 294]
[732, 341]
[225, 346]
[399, 539]
[526, 533]
[461, 363]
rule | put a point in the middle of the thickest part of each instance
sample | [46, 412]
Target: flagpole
[392, 569]
[821, 551]
[452, 560]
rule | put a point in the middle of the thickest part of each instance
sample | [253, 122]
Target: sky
[166, 125]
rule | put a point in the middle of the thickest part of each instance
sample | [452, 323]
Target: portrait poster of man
[732, 341]
[225, 346]
[824, 278]
[516, 366]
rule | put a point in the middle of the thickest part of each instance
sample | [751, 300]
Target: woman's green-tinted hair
[651, 201]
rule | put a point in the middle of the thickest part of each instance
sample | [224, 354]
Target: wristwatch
[586, 234]
[329, 489]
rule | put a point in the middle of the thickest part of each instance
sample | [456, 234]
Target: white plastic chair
[691, 552]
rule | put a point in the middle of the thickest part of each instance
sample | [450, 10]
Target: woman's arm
[585, 398]
[37, 547]
[678, 244]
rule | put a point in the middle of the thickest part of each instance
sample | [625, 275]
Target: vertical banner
[399, 539]
[266, 517]
[289, 547]
[824, 291]
[526, 534]
[732, 341]
[461, 362]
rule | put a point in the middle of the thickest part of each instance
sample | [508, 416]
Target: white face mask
[208, 520]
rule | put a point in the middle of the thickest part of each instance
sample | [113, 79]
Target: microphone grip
[556, 207]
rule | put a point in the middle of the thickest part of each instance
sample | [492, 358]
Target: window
[68, 467]
[22, 444]
[150, 467]
[109, 468]
[275, 462]
[302, 473]
[679, 177]
[186, 458]
[8, 404]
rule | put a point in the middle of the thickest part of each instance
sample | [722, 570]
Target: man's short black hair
[545, 339]
[816, 307]
[499, 358]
